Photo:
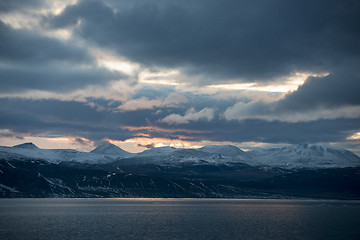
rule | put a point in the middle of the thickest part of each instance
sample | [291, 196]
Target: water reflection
[177, 219]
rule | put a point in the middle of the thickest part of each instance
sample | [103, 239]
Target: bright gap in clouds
[355, 136]
[162, 77]
[120, 66]
[113, 62]
[287, 84]
[30, 18]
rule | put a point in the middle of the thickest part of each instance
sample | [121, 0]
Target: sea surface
[178, 219]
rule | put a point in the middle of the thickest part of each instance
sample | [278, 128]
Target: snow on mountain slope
[157, 151]
[176, 156]
[29, 150]
[225, 150]
[304, 156]
[195, 156]
[295, 156]
[110, 149]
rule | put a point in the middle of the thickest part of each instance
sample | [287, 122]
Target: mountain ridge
[171, 172]
[290, 156]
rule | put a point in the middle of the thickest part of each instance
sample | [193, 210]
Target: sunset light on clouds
[143, 74]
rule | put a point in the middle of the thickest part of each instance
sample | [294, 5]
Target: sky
[151, 73]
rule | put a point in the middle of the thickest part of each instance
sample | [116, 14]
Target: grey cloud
[24, 46]
[191, 115]
[337, 89]
[255, 130]
[330, 97]
[256, 41]
[53, 78]
[62, 118]
[81, 141]
[172, 100]
[79, 120]
[11, 5]
[218, 41]
[29, 61]
[146, 146]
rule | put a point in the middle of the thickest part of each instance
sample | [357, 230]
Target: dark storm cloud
[329, 97]
[26, 47]
[30, 61]
[334, 90]
[53, 78]
[253, 130]
[213, 41]
[63, 118]
[254, 40]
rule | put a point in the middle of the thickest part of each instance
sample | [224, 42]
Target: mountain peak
[158, 151]
[109, 148]
[28, 145]
[305, 156]
[226, 150]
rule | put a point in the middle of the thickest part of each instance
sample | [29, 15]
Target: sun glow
[164, 77]
[287, 84]
[121, 66]
[112, 62]
[355, 136]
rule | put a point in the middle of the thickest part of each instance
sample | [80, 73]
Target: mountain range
[309, 171]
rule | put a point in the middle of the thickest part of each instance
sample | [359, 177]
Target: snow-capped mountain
[110, 149]
[30, 150]
[225, 150]
[159, 151]
[214, 171]
[180, 156]
[289, 157]
[176, 156]
[304, 156]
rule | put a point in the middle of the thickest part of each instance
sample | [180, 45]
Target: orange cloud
[142, 135]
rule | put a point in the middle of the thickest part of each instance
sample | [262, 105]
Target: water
[178, 219]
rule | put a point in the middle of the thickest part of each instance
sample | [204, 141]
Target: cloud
[19, 46]
[271, 112]
[11, 5]
[172, 100]
[149, 146]
[7, 133]
[63, 118]
[340, 88]
[29, 61]
[53, 78]
[228, 41]
[206, 114]
[330, 97]
[59, 87]
[23, 118]
[139, 103]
